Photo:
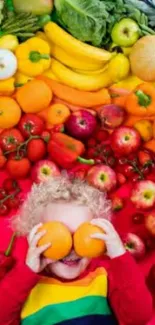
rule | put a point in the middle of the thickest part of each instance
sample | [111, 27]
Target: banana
[71, 61]
[93, 72]
[75, 47]
[49, 73]
[79, 81]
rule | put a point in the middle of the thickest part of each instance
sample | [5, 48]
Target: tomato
[2, 161]
[31, 124]
[10, 185]
[4, 210]
[13, 203]
[18, 168]
[36, 149]
[10, 139]
[3, 193]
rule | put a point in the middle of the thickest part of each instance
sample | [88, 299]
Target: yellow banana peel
[75, 47]
[93, 72]
[79, 81]
[72, 61]
[49, 73]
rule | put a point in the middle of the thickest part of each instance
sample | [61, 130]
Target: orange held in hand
[84, 245]
[57, 114]
[60, 238]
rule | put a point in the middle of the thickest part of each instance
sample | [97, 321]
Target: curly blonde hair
[56, 189]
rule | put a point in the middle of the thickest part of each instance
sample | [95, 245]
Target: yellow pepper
[7, 87]
[21, 79]
[43, 36]
[9, 42]
[33, 57]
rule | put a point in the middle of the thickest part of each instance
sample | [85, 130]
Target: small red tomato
[101, 135]
[136, 178]
[13, 203]
[18, 169]
[122, 161]
[4, 210]
[46, 136]
[31, 124]
[3, 193]
[127, 170]
[146, 170]
[10, 185]
[10, 139]
[144, 158]
[3, 161]
[91, 143]
[36, 149]
[91, 153]
[138, 218]
[121, 178]
[150, 243]
[58, 128]
[111, 161]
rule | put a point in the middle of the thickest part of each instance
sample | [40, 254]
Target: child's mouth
[71, 260]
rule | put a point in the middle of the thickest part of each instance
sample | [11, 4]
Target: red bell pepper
[6, 260]
[65, 150]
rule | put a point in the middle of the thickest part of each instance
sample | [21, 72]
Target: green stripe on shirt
[53, 314]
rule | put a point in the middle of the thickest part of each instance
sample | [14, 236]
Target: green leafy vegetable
[84, 19]
[92, 21]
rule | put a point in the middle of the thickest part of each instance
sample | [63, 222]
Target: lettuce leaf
[84, 19]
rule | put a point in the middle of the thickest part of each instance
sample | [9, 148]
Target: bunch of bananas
[75, 63]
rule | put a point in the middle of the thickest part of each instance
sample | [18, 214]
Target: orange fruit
[34, 96]
[10, 112]
[84, 245]
[60, 238]
[58, 114]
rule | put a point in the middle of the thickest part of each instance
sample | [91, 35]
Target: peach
[111, 116]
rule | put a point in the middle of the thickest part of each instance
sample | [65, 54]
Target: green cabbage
[84, 19]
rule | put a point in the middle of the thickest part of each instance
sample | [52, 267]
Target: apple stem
[86, 161]
[143, 99]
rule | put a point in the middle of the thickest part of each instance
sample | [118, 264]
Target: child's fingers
[43, 248]
[36, 238]
[33, 232]
[99, 236]
[103, 225]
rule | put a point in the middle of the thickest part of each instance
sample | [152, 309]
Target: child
[72, 291]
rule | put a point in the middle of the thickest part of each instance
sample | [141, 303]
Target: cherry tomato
[10, 139]
[4, 209]
[10, 185]
[138, 218]
[3, 193]
[31, 124]
[127, 170]
[13, 203]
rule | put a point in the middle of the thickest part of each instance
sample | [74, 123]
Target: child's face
[72, 216]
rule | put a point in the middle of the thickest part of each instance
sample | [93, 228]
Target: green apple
[125, 33]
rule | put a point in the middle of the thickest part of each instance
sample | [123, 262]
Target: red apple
[43, 170]
[150, 223]
[102, 177]
[125, 140]
[135, 245]
[81, 124]
[143, 194]
[111, 116]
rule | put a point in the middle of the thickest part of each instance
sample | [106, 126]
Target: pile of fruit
[77, 93]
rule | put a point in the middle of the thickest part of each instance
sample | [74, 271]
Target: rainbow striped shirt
[80, 302]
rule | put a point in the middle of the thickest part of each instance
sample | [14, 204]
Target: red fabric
[122, 222]
[127, 291]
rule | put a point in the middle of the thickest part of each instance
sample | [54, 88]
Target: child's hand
[33, 259]
[111, 238]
